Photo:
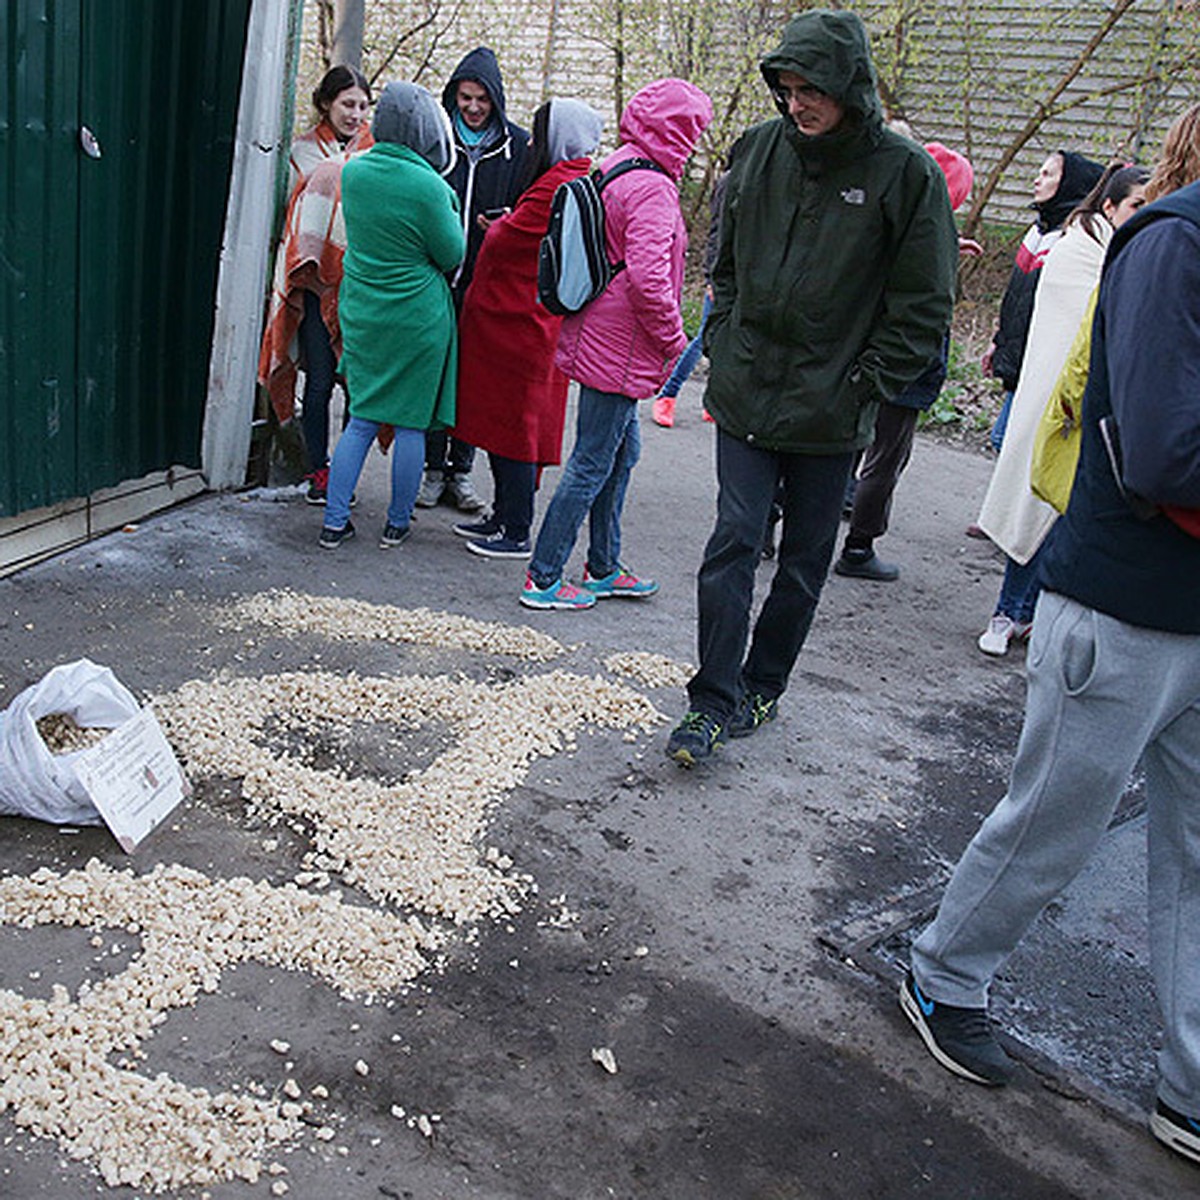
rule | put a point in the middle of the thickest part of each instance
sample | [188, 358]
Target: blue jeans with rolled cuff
[607, 446]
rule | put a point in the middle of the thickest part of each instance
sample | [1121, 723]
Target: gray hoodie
[408, 115]
[573, 130]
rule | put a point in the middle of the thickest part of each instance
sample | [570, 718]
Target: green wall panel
[106, 339]
[39, 87]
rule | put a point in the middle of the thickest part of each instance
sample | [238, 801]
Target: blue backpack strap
[602, 180]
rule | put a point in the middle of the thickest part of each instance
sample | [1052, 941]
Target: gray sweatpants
[1102, 693]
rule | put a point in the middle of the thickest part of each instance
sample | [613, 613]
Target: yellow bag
[1056, 443]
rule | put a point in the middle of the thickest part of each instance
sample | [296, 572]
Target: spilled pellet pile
[55, 1076]
[289, 613]
[417, 843]
[653, 670]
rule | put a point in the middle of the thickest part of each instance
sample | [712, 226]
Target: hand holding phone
[490, 215]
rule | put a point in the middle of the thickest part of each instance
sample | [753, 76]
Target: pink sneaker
[706, 415]
[663, 411]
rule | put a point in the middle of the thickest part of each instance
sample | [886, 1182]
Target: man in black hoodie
[489, 164]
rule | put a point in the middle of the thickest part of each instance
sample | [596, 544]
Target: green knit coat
[403, 234]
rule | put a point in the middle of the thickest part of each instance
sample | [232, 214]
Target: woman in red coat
[512, 399]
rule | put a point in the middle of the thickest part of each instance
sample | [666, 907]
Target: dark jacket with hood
[486, 175]
[1079, 176]
[834, 281]
[1144, 376]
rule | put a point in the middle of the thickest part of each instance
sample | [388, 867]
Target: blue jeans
[813, 488]
[408, 457]
[996, 436]
[608, 443]
[1021, 588]
[320, 368]
[690, 357]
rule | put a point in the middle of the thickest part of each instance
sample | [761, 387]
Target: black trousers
[813, 487]
[882, 466]
[447, 454]
[512, 496]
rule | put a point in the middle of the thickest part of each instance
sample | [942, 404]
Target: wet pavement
[698, 924]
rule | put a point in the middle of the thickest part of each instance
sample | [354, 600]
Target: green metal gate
[116, 141]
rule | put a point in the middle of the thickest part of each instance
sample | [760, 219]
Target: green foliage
[968, 401]
[693, 307]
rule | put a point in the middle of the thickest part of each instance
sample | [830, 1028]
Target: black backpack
[573, 266]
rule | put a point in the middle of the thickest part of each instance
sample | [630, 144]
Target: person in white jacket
[1012, 516]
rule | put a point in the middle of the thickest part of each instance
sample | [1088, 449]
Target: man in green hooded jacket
[833, 289]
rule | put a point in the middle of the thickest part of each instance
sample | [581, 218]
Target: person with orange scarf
[302, 323]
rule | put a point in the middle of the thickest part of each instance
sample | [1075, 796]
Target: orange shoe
[663, 411]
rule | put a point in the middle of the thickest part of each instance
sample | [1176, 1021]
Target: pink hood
[664, 122]
[627, 339]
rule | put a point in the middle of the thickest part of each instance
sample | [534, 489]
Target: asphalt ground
[732, 934]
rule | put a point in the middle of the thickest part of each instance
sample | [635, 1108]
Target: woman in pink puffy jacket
[621, 347]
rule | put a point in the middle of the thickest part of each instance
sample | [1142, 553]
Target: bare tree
[1170, 61]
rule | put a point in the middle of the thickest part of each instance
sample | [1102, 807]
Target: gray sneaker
[460, 491]
[433, 484]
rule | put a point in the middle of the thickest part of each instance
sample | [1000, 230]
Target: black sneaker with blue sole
[1176, 1130]
[961, 1039]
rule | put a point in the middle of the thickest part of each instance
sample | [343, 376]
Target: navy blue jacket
[1125, 558]
[488, 175]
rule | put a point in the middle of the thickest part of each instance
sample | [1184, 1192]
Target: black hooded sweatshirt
[1079, 176]
[487, 175]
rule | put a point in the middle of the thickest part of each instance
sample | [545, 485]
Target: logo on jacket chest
[854, 195]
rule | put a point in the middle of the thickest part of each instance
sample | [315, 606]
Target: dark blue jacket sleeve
[1153, 359]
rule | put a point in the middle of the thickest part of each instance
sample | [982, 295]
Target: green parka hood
[831, 51]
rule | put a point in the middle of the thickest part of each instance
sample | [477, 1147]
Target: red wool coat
[512, 399]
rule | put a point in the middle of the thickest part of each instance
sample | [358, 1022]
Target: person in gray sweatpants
[1114, 678]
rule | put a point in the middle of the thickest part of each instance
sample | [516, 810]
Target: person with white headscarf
[512, 398]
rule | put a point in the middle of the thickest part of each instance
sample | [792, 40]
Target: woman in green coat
[403, 235]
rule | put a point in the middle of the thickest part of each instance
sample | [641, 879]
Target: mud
[752, 1062]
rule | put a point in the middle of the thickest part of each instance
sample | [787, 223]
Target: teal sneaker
[558, 595]
[695, 738]
[753, 711]
[620, 582]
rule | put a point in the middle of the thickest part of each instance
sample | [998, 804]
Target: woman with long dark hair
[302, 325]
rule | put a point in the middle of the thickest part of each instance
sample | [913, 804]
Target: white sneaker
[995, 638]
[433, 484]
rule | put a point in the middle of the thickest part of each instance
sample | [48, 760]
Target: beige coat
[1012, 516]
